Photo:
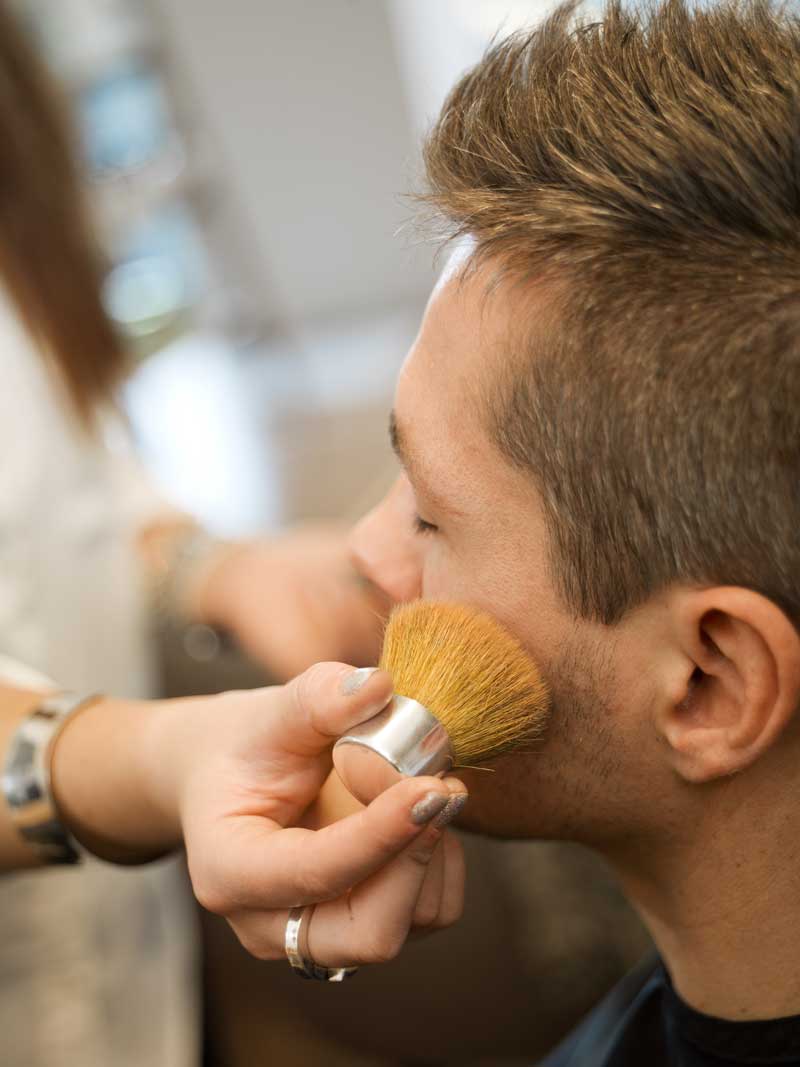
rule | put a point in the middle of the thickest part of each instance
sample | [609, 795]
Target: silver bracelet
[26, 778]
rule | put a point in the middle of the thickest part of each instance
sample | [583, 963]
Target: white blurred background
[248, 162]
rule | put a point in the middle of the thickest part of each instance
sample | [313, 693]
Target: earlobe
[744, 684]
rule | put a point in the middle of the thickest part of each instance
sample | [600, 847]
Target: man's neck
[724, 908]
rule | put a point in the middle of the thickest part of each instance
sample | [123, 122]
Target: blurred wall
[437, 40]
[306, 103]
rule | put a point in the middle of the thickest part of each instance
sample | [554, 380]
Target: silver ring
[296, 945]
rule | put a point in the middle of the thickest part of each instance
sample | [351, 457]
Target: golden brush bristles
[470, 673]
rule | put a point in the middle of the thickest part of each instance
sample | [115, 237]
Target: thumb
[325, 702]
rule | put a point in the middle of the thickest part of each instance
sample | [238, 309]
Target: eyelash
[423, 527]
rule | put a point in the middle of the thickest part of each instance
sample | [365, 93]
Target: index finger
[265, 867]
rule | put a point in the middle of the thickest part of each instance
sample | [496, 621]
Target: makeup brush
[465, 692]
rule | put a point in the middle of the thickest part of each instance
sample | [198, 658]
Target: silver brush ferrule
[403, 740]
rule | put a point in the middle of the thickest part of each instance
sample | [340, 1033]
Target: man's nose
[382, 549]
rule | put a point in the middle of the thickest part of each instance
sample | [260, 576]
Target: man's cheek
[441, 580]
[500, 797]
[447, 577]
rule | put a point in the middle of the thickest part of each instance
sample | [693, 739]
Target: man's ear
[742, 683]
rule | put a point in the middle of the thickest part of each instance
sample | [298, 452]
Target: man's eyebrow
[395, 439]
[406, 458]
[401, 448]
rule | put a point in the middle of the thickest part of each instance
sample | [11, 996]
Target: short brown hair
[650, 164]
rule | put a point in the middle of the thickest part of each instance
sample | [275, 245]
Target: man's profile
[599, 426]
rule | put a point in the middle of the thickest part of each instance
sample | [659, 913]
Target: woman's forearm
[106, 782]
[103, 781]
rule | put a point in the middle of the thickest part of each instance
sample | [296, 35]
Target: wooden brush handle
[334, 802]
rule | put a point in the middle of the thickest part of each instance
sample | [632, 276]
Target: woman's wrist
[174, 744]
[106, 784]
[183, 563]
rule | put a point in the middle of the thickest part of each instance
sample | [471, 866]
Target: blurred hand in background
[294, 600]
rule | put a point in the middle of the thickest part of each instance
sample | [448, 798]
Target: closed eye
[423, 527]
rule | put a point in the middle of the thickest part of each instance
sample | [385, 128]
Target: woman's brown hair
[48, 260]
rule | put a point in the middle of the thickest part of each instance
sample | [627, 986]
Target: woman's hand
[293, 600]
[335, 802]
[366, 872]
[233, 775]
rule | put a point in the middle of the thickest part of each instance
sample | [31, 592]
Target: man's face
[461, 523]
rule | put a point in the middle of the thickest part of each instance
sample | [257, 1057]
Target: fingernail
[430, 805]
[356, 680]
[451, 809]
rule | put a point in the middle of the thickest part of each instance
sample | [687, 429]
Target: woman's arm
[102, 780]
[290, 600]
[98, 782]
